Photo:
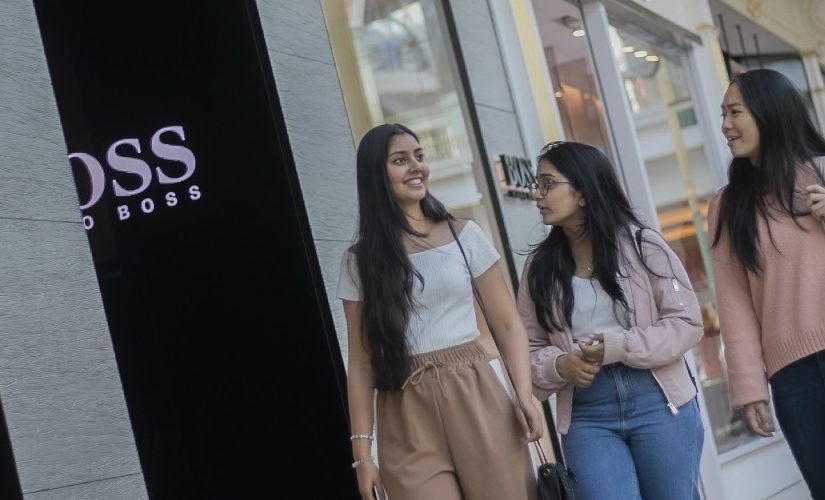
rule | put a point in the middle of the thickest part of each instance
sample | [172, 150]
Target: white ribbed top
[444, 314]
[593, 310]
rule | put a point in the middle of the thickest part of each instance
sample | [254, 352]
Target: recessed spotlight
[640, 53]
[578, 33]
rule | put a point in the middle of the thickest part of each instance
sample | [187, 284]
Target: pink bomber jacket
[666, 322]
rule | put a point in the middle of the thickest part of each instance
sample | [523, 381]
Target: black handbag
[553, 479]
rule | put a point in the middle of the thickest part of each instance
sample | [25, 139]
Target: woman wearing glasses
[610, 313]
[446, 428]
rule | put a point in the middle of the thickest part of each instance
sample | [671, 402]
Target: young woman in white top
[446, 427]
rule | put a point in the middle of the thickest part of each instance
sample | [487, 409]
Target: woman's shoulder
[714, 204]
[460, 223]
[477, 242]
[714, 201]
[349, 260]
[349, 252]
[648, 243]
[465, 228]
[718, 195]
[637, 233]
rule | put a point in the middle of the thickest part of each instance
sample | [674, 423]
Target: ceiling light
[578, 33]
[628, 49]
[640, 53]
[652, 58]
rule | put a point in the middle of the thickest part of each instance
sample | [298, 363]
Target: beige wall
[801, 23]
[686, 14]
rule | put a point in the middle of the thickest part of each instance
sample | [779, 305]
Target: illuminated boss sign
[119, 157]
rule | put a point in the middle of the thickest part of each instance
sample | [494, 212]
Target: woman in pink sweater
[769, 262]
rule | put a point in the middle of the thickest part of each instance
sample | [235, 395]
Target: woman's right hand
[574, 369]
[816, 201]
[758, 418]
[369, 481]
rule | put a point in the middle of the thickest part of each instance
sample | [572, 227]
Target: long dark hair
[788, 141]
[384, 268]
[608, 220]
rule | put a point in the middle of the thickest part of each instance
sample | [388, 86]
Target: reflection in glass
[572, 73]
[394, 67]
[681, 183]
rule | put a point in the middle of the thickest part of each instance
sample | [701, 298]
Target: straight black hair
[608, 220]
[788, 142]
[387, 276]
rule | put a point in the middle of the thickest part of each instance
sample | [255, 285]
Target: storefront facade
[644, 80]
[485, 83]
[641, 79]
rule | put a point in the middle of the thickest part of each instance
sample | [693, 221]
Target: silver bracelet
[359, 462]
[360, 436]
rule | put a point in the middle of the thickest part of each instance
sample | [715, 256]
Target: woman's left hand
[816, 201]
[593, 351]
[530, 419]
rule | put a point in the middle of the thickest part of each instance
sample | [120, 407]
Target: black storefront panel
[226, 349]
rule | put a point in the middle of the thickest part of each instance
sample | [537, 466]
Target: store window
[678, 169]
[395, 66]
[746, 45]
[571, 69]
[789, 64]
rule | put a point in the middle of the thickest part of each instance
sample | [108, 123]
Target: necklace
[589, 269]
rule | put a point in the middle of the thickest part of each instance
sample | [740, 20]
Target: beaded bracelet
[360, 436]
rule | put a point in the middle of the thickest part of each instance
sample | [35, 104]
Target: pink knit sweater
[771, 319]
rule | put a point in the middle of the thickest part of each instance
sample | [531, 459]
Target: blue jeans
[799, 400]
[625, 444]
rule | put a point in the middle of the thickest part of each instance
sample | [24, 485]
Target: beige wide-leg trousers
[451, 433]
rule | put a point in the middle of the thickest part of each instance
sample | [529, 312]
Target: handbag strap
[539, 449]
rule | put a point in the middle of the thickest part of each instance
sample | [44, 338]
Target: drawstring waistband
[442, 358]
[418, 374]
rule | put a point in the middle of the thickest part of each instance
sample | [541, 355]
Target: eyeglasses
[543, 186]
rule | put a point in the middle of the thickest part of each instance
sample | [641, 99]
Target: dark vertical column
[9, 481]
[209, 278]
